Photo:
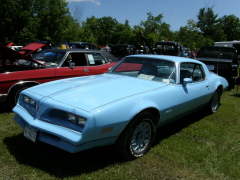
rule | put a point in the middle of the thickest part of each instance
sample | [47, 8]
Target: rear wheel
[137, 139]
[214, 102]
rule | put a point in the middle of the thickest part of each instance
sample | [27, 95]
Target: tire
[214, 102]
[14, 94]
[137, 138]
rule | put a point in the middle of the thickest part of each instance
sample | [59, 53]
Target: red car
[18, 72]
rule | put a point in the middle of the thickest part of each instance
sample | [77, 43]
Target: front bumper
[58, 136]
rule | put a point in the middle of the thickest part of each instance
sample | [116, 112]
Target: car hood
[10, 54]
[33, 46]
[91, 92]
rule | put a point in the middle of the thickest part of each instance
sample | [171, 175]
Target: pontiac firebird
[122, 107]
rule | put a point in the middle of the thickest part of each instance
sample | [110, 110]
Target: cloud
[93, 1]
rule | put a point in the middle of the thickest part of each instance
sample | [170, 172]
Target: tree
[231, 27]
[14, 17]
[105, 30]
[190, 36]
[154, 29]
[208, 24]
[33, 20]
[78, 11]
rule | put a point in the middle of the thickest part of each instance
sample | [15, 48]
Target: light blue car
[122, 107]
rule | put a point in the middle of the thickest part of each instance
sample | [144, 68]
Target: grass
[199, 146]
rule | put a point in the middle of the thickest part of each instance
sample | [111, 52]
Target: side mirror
[210, 67]
[71, 64]
[186, 81]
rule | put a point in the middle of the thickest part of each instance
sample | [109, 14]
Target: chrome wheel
[215, 102]
[141, 137]
[137, 138]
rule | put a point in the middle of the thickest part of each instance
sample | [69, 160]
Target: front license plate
[30, 134]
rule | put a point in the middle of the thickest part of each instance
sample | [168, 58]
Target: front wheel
[137, 138]
[214, 102]
[14, 94]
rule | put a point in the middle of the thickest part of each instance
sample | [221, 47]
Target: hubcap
[215, 102]
[141, 137]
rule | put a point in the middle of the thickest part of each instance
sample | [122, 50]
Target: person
[194, 53]
[107, 48]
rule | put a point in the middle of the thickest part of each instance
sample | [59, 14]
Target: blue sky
[175, 12]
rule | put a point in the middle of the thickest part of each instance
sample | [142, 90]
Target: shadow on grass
[57, 162]
[172, 128]
[61, 164]
[4, 108]
[236, 95]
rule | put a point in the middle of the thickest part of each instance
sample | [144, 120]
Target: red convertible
[18, 72]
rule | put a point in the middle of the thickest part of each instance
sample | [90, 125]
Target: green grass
[198, 146]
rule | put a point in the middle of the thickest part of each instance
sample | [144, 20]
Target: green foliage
[32, 20]
[209, 25]
[190, 37]
[231, 27]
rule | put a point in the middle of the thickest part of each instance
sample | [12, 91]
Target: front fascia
[53, 134]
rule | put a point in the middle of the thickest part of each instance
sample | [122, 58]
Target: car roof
[79, 43]
[74, 50]
[166, 57]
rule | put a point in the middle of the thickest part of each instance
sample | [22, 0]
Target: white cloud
[93, 1]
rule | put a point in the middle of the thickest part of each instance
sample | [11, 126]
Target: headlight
[29, 104]
[63, 118]
[29, 100]
[80, 121]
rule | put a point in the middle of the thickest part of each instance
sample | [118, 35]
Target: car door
[98, 64]
[74, 65]
[192, 95]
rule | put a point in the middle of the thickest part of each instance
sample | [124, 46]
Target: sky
[176, 13]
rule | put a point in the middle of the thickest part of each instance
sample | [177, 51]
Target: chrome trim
[3, 97]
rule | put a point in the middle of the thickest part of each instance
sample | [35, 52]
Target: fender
[22, 83]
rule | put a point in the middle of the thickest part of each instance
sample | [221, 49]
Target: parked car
[122, 107]
[122, 50]
[83, 45]
[223, 59]
[18, 72]
[33, 49]
[168, 48]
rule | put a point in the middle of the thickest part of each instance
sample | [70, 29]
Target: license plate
[30, 134]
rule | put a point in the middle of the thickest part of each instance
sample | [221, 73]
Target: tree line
[26, 21]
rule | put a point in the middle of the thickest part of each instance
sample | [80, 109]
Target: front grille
[55, 113]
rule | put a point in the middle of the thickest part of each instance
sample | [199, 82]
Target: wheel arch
[154, 111]
[220, 89]
[14, 91]
[22, 84]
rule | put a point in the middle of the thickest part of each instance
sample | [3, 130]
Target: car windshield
[49, 58]
[216, 52]
[146, 68]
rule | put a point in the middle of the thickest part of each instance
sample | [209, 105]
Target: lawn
[198, 146]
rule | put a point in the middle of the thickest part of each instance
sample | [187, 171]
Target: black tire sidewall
[210, 104]
[123, 143]
[140, 154]
[13, 96]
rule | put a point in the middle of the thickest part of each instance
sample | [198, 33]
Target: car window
[75, 59]
[50, 58]
[96, 59]
[147, 68]
[191, 70]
